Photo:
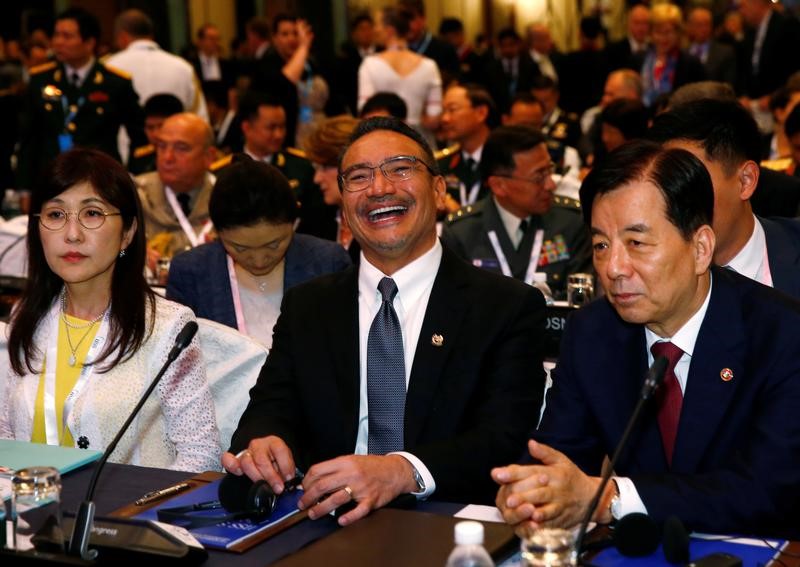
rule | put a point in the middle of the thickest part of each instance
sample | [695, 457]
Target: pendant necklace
[88, 326]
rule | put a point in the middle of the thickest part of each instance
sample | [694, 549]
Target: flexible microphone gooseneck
[81, 529]
[653, 378]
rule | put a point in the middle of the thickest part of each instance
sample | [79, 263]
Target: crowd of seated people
[376, 219]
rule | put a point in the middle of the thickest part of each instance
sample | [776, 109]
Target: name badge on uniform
[65, 142]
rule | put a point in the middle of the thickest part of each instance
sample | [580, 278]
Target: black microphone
[82, 526]
[676, 541]
[653, 378]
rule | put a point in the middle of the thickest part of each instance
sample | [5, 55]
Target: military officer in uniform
[76, 100]
[521, 227]
[468, 114]
[563, 127]
[264, 129]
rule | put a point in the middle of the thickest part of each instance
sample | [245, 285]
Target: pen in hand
[163, 493]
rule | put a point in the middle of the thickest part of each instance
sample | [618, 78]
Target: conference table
[120, 485]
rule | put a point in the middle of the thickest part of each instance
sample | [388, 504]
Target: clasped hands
[372, 481]
[553, 493]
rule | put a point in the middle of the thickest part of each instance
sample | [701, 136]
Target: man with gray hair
[153, 70]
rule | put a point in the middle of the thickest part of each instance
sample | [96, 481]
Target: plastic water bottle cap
[469, 533]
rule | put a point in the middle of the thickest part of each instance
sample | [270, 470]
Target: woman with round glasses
[88, 336]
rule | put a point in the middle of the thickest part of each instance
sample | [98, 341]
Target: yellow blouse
[66, 377]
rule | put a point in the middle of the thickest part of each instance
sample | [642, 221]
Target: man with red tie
[718, 446]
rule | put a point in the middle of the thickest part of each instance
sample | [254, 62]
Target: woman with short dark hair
[239, 280]
[88, 334]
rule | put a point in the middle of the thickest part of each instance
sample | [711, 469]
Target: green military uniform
[59, 115]
[462, 180]
[316, 218]
[142, 160]
[565, 249]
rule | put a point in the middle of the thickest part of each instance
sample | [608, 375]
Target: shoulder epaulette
[142, 151]
[43, 67]
[567, 202]
[221, 162]
[781, 164]
[446, 152]
[297, 152]
[461, 213]
[118, 72]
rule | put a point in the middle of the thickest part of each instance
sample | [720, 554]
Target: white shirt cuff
[629, 498]
[427, 477]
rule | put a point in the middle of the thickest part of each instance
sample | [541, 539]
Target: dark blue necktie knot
[388, 289]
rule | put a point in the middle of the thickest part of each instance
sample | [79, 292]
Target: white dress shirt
[510, 223]
[210, 67]
[82, 72]
[414, 284]
[684, 338]
[752, 260]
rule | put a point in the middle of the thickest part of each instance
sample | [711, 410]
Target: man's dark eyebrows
[596, 231]
[639, 227]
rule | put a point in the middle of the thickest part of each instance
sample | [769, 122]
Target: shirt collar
[266, 159]
[476, 155]
[510, 220]
[82, 71]
[750, 259]
[411, 280]
[685, 337]
[143, 45]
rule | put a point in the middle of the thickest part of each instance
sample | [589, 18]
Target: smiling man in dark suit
[413, 373]
[718, 445]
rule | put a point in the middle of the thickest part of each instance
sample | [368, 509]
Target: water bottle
[469, 550]
[540, 283]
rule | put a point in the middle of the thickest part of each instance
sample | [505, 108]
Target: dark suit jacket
[720, 63]
[620, 56]
[734, 469]
[499, 84]
[470, 402]
[227, 68]
[778, 57]
[199, 278]
[783, 252]
[777, 194]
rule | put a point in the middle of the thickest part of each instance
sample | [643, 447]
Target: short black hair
[88, 26]
[498, 151]
[792, 124]
[390, 102]
[724, 129]
[279, 19]
[525, 98]
[450, 25]
[248, 192]
[681, 178]
[135, 22]
[397, 17]
[362, 17]
[216, 92]
[201, 31]
[541, 82]
[629, 116]
[508, 33]
[164, 105]
[479, 96]
[253, 100]
[391, 124]
[258, 26]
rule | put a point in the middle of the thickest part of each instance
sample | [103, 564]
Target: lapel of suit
[221, 296]
[624, 365]
[783, 257]
[441, 326]
[295, 269]
[492, 221]
[341, 331]
[720, 346]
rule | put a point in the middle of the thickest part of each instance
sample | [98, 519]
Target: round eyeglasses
[91, 218]
[394, 169]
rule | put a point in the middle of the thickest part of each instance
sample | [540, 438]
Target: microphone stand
[653, 378]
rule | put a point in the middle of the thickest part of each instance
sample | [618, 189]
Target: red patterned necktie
[669, 397]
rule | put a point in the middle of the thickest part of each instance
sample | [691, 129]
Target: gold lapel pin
[437, 340]
[726, 374]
